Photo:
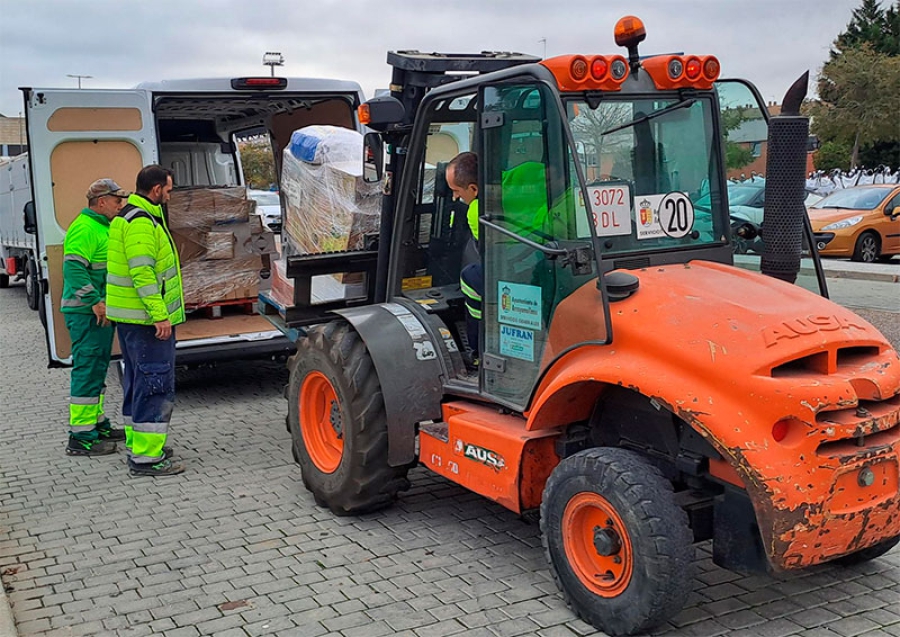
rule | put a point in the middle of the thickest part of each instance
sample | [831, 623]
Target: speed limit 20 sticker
[670, 215]
[676, 214]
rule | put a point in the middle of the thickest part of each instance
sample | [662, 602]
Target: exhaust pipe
[785, 181]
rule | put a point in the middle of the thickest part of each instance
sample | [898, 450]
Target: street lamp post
[80, 77]
[273, 59]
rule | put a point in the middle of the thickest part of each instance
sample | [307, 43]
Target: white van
[190, 126]
[18, 253]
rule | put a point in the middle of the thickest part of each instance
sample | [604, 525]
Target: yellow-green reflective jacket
[84, 262]
[143, 284]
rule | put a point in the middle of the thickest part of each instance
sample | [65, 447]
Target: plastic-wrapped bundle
[329, 208]
[326, 144]
[220, 244]
[204, 206]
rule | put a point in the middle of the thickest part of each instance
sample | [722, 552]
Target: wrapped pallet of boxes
[221, 243]
[329, 206]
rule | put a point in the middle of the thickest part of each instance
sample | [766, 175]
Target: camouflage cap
[103, 187]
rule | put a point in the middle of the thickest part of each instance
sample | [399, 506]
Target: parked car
[747, 199]
[862, 223]
[268, 206]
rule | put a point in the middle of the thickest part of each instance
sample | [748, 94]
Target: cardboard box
[201, 207]
[220, 243]
[208, 282]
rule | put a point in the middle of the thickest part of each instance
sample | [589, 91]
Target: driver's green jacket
[144, 281]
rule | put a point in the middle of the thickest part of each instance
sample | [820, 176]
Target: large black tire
[619, 546]
[338, 424]
[4, 280]
[32, 285]
[867, 248]
[868, 554]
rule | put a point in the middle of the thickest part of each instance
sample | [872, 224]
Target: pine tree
[891, 42]
[866, 26]
[858, 87]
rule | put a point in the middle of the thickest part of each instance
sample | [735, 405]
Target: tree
[858, 88]
[892, 30]
[858, 99]
[867, 26]
[737, 154]
[258, 162]
[832, 155]
[589, 125]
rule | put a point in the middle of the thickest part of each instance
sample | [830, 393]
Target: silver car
[268, 206]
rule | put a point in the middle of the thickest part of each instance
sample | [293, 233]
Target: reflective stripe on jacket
[143, 285]
[84, 262]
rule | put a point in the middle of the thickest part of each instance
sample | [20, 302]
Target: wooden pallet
[217, 309]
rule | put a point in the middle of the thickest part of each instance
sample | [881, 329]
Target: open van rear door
[74, 138]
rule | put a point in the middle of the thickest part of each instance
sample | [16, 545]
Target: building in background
[12, 136]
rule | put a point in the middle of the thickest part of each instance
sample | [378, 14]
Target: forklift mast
[414, 74]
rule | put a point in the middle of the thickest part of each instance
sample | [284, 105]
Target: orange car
[862, 223]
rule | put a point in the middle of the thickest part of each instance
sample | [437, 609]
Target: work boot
[78, 447]
[162, 468]
[109, 432]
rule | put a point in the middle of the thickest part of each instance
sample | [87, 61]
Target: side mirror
[30, 218]
[893, 212]
[373, 158]
[744, 229]
[381, 113]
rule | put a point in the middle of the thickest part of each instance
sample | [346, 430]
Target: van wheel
[867, 249]
[868, 554]
[4, 280]
[32, 285]
[619, 546]
[338, 423]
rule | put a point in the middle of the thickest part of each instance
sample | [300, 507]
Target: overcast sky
[123, 42]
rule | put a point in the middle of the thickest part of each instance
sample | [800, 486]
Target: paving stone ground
[236, 547]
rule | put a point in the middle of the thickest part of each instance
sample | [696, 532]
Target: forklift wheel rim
[603, 575]
[316, 399]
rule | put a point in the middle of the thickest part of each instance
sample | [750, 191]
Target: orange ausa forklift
[639, 385]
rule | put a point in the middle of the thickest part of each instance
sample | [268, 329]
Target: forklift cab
[570, 186]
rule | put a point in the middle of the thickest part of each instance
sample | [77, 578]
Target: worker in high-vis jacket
[462, 179]
[144, 298]
[84, 310]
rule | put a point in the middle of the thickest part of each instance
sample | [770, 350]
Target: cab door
[76, 137]
[535, 241]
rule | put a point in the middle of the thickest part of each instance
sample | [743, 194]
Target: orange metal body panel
[491, 454]
[733, 353]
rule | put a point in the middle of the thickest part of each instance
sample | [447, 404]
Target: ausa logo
[482, 455]
[791, 329]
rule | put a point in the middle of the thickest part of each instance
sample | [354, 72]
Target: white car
[268, 206]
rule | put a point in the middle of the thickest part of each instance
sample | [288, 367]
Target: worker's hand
[163, 330]
[99, 311]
